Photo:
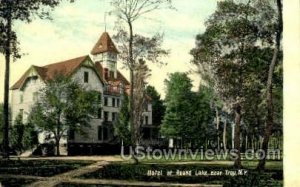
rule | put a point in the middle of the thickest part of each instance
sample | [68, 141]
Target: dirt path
[115, 158]
[132, 183]
[54, 180]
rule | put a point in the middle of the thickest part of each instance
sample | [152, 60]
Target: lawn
[42, 168]
[273, 175]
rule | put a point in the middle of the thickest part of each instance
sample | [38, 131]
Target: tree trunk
[218, 125]
[57, 147]
[252, 143]
[224, 136]
[237, 146]
[232, 135]
[6, 88]
[134, 138]
[246, 143]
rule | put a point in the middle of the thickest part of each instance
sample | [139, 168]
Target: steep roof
[49, 71]
[104, 44]
[65, 67]
[111, 80]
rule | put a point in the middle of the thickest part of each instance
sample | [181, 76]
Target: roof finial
[105, 21]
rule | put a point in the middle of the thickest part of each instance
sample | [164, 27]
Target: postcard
[142, 93]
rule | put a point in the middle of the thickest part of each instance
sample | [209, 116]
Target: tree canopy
[188, 114]
[158, 108]
[63, 105]
[236, 49]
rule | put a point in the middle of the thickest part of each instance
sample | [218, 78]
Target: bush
[254, 179]
[22, 137]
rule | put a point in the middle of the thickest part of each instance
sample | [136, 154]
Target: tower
[105, 52]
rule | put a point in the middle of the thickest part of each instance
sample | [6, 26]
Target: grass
[272, 176]
[43, 168]
[16, 182]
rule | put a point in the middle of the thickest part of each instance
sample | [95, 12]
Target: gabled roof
[65, 68]
[111, 80]
[104, 44]
[48, 72]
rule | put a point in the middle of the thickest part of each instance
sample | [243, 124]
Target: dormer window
[86, 77]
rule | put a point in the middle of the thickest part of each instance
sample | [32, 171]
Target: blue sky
[77, 26]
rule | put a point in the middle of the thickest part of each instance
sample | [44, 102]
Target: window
[21, 97]
[102, 133]
[99, 113]
[114, 116]
[105, 101]
[113, 102]
[118, 102]
[106, 116]
[86, 77]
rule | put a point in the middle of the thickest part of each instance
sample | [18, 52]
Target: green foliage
[232, 48]
[64, 104]
[255, 179]
[23, 136]
[188, 114]
[178, 94]
[158, 108]
[233, 57]
[122, 126]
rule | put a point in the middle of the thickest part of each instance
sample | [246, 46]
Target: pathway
[53, 181]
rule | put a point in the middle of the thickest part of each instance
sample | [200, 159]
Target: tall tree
[129, 12]
[141, 73]
[10, 11]
[270, 109]
[234, 33]
[188, 114]
[63, 104]
[158, 108]
[177, 100]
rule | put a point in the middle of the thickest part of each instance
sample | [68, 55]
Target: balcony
[112, 90]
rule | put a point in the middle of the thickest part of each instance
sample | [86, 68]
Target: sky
[76, 27]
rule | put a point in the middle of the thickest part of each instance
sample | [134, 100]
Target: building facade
[96, 71]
